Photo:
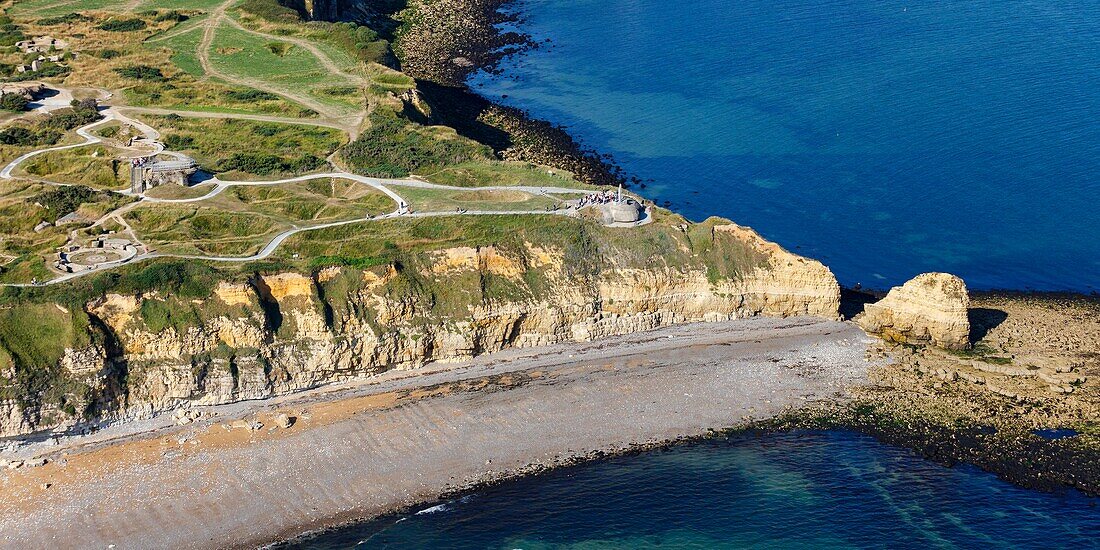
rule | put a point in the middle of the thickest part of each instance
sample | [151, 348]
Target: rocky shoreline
[1032, 372]
[449, 40]
[457, 37]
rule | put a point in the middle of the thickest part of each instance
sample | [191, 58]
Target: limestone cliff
[277, 333]
[930, 308]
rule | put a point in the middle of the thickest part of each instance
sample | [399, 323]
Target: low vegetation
[123, 25]
[14, 102]
[95, 166]
[60, 201]
[392, 147]
[141, 72]
[245, 147]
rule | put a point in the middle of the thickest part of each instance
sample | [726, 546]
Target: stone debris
[284, 421]
[253, 425]
[187, 416]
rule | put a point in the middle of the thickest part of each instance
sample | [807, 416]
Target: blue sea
[789, 490]
[884, 137]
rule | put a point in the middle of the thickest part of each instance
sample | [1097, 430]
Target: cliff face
[286, 332]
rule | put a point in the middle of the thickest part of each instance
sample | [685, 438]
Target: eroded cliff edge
[127, 355]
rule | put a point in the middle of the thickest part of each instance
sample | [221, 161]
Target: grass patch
[141, 72]
[60, 201]
[393, 147]
[123, 25]
[491, 173]
[94, 166]
[249, 148]
[295, 70]
[439, 200]
[201, 230]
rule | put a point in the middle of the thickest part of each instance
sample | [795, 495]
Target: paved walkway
[383, 185]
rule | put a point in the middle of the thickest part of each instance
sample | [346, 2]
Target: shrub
[271, 10]
[13, 102]
[263, 164]
[348, 261]
[250, 95]
[48, 69]
[123, 25]
[67, 18]
[62, 200]
[172, 15]
[393, 148]
[106, 54]
[266, 130]
[18, 135]
[141, 72]
[10, 34]
[177, 142]
[80, 113]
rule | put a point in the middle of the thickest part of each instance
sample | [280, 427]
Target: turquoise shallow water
[794, 490]
[883, 137]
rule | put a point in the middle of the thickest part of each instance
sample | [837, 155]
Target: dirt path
[210, 28]
[406, 437]
[325, 60]
[152, 135]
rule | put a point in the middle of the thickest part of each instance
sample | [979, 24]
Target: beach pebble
[284, 420]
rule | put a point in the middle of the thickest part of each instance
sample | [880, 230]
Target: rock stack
[929, 309]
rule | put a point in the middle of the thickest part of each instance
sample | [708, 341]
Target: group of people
[605, 197]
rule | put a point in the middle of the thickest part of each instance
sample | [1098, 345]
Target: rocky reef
[930, 308]
[277, 333]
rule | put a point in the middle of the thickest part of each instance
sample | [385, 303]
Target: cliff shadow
[462, 110]
[273, 315]
[982, 320]
[852, 302]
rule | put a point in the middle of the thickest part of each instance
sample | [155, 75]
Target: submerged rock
[929, 309]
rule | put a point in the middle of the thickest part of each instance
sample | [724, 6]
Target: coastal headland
[385, 289]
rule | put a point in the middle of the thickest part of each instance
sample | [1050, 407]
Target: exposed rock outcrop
[929, 309]
[287, 332]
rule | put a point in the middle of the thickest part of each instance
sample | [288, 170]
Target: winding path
[380, 184]
[210, 29]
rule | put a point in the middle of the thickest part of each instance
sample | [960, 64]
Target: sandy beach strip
[360, 450]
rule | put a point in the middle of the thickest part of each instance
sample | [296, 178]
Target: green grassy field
[190, 229]
[96, 166]
[439, 200]
[183, 52]
[497, 173]
[173, 191]
[276, 64]
[240, 220]
[204, 5]
[51, 8]
[316, 201]
[245, 149]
